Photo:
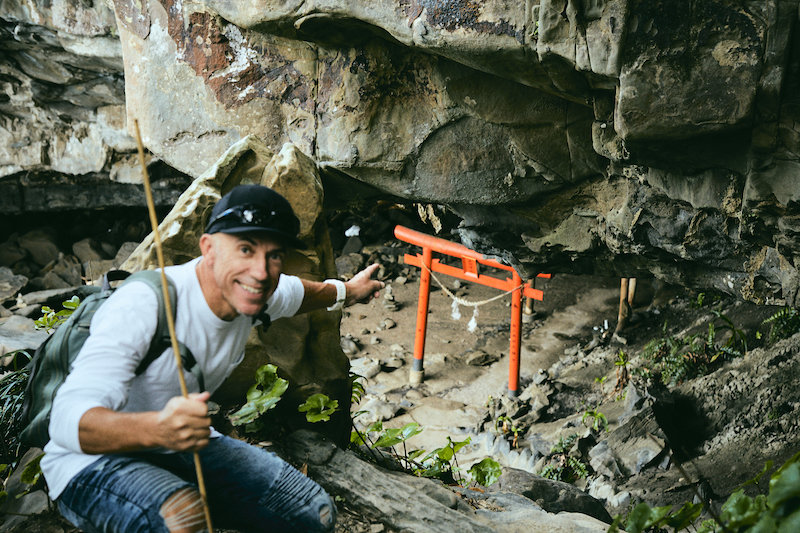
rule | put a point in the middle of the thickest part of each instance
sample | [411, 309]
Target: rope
[456, 312]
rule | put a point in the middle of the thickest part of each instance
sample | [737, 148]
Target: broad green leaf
[32, 471]
[356, 438]
[410, 429]
[261, 397]
[741, 510]
[319, 408]
[686, 515]
[72, 303]
[413, 454]
[486, 472]
[458, 445]
[791, 524]
[390, 437]
[643, 517]
[398, 435]
[784, 486]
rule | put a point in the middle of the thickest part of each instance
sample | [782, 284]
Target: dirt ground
[451, 399]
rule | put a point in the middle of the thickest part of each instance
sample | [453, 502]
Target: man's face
[244, 270]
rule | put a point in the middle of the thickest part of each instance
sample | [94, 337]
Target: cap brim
[289, 240]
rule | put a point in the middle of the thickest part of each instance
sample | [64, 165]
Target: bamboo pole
[170, 317]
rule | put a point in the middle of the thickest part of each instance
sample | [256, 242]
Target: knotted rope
[456, 311]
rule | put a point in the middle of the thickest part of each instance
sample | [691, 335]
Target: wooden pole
[201, 485]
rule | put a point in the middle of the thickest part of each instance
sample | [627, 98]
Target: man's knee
[183, 512]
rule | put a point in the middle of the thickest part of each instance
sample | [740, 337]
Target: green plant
[442, 463]
[319, 408]
[784, 323]
[356, 388]
[12, 390]
[565, 468]
[597, 420]
[678, 359]
[51, 319]
[778, 511]
[505, 425]
[562, 466]
[486, 472]
[30, 476]
[262, 396]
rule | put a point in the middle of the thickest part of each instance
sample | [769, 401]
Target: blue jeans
[248, 489]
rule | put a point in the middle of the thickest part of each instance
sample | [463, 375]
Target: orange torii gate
[470, 260]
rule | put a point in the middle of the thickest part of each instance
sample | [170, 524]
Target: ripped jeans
[248, 488]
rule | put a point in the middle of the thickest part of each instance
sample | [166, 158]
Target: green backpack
[53, 360]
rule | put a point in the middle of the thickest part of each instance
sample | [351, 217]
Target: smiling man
[120, 455]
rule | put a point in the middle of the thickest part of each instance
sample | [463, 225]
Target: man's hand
[183, 424]
[361, 288]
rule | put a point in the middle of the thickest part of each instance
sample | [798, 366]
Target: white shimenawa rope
[456, 311]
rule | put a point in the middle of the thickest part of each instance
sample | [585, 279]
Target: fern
[783, 324]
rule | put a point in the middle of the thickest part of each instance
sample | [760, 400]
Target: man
[120, 455]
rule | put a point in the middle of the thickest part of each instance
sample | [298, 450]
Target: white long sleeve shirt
[104, 373]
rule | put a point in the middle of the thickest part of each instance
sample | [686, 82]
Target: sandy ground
[451, 399]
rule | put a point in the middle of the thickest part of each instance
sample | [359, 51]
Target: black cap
[255, 208]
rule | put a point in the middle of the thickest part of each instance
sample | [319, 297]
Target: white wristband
[341, 294]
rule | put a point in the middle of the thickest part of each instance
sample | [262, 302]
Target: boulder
[408, 503]
[10, 284]
[19, 333]
[552, 496]
[40, 245]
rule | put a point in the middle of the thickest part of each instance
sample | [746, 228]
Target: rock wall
[625, 137]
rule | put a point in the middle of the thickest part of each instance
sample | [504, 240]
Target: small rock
[603, 461]
[348, 265]
[392, 363]
[437, 357]
[352, 246]
[108, 249]
[376, 409]
[10, 283]
[124, 252]
[481, 358]
[95, 269]
[397, 349]
[86, 250]
[388, 323]
[365, 366]
[620, 500]
[19, 333]
[390, 305]
[365, 331]
[11, 253]
[51, 280]
[374, 340]
[400, 280]
[40, 245]
[414, 394]
[350, 346]
[69, 269]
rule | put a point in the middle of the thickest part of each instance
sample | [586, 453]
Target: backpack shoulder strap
[161, 340]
